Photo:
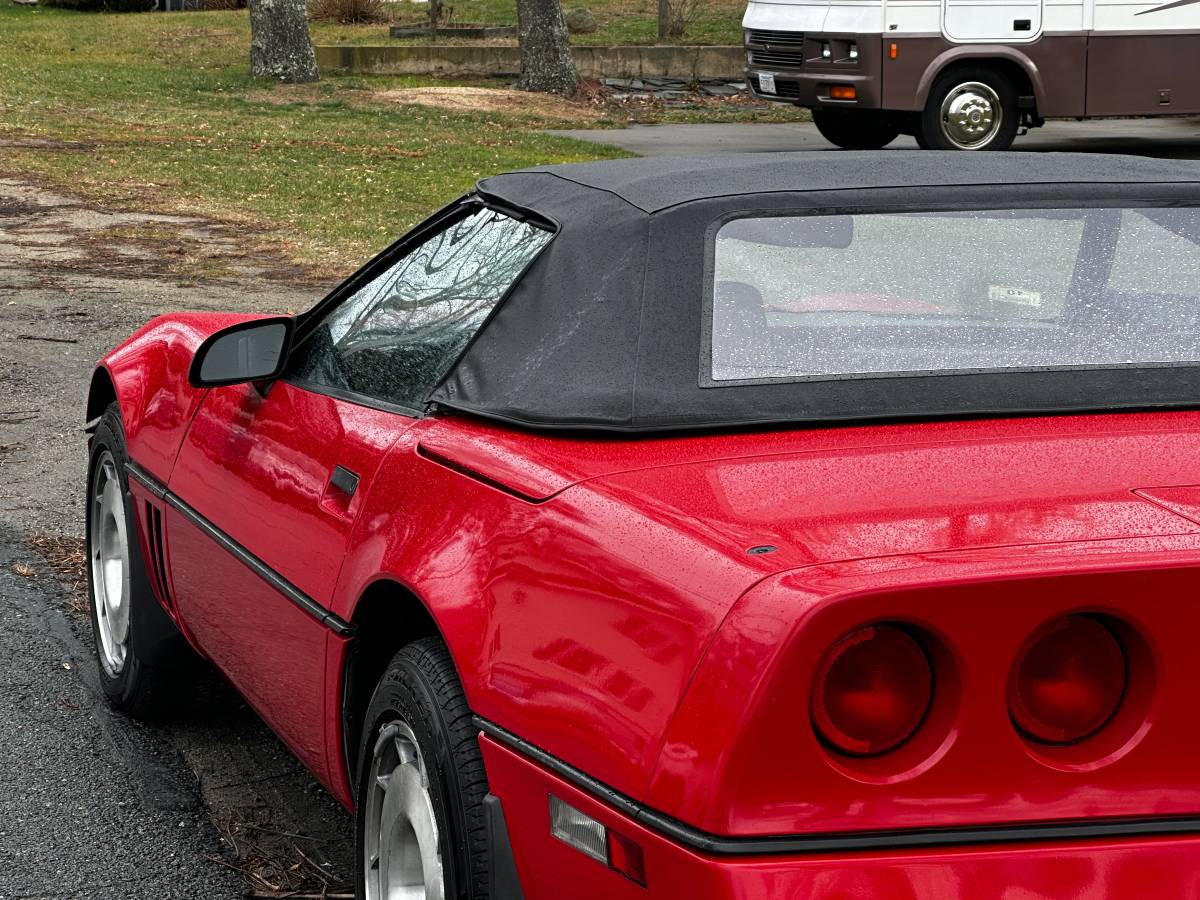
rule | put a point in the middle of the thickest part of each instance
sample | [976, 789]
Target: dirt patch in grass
[73, 236]
[493, 100]
[34, 143]
[596, 105]
[161, 249]
[12, 208]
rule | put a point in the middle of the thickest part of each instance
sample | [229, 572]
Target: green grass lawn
[158, 112]
[619, 21]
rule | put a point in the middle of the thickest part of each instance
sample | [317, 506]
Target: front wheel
[421, 823]
[856, 129]
[969, 109]
[145, 663]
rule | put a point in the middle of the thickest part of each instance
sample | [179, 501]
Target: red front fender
[147, 375]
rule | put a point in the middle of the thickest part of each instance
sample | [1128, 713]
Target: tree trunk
[435, 18]
[280, 45]
[546, 61]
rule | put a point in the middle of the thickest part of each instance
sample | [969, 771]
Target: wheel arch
[102, 393]
[387, 616]
[1010, 61]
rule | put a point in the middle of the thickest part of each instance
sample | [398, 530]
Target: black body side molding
[306, 603]
[850, 842]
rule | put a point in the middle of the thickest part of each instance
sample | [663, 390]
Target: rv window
[950, 292]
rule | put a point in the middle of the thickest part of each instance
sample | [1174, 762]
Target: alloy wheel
[401, 852]
[110, 565]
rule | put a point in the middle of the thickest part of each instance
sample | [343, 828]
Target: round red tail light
[1068, 681]
[872, 691]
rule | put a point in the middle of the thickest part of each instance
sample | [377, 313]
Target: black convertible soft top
[606, 330]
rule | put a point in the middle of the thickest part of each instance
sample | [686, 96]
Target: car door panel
[260, 470]
[272, 651]
[269, 483]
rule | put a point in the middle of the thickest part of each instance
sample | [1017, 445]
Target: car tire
[419, 740]
[969, 109]
[143, 659]
[856, 129]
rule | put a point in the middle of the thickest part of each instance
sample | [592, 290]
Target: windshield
[907, 293]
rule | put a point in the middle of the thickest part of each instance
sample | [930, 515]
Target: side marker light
[591, 838]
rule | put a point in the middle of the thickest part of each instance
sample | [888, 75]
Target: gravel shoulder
[74, 282]
[210, 805]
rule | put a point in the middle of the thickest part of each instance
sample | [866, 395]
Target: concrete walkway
[1171, 138]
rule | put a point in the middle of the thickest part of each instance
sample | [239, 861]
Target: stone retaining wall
[592, 62]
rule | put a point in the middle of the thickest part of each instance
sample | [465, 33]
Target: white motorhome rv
[968, 74]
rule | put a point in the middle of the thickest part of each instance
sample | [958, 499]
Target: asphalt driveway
[1173, 138]
[90, 805]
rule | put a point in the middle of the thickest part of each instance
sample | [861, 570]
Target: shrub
[347, 12]
[682, 15]
[580, 21]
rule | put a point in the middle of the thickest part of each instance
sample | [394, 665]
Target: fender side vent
[154, 538]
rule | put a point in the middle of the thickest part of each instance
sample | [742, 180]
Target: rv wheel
[856, 129]
[969, 109]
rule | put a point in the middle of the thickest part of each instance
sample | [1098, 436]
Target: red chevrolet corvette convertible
[739, 527]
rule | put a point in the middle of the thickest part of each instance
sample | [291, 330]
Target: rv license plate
[766, 82]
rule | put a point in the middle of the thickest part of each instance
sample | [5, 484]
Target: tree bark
[546, 61]
[280, 45]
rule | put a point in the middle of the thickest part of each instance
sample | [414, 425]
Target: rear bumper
[547, 869]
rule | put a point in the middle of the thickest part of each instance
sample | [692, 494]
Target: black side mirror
[249, 351]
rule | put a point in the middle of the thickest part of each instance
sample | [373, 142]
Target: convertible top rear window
[830, 297]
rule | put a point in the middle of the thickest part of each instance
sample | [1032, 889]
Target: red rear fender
[575, 621]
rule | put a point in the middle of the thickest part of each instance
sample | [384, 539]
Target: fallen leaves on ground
[274, 865]
[67, 560]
